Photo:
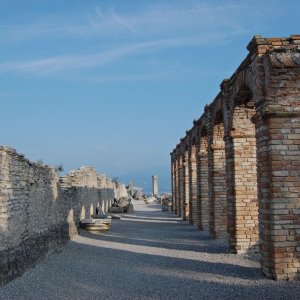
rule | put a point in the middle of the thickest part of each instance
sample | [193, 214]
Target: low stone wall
[40, 211]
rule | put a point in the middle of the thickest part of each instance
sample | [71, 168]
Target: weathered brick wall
[30, 222]
[180, 187]
[173, 182]
[193, 195]
[253, 155]
[37, 212]
[186, 186]
[82, 191]
[203, 199]
[177, 191]
[241, 175]
[217, 183]
[83, 177]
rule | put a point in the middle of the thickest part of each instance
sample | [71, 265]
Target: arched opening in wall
[217, 182]
[186, 184]
[202, 179]
[83, 213]
[243, 227]
[193, 183]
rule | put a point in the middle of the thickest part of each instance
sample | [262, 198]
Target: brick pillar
[176, 186]
[193, 185]
[241, 176]
[173, 175]
[186, 186]
[180, 187]
[217, 185]
[202, 182]
[278, 143]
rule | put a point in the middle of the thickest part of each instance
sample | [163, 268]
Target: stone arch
[217, 175]
[241, 174]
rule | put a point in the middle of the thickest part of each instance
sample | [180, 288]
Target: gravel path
[147, 255]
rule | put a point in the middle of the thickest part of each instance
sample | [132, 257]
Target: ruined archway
[262, 161]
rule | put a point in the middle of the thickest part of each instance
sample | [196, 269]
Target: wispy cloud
[157, 20]
[68, 62]
[145, 31]
[110, 19]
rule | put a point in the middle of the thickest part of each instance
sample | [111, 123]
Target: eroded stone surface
[40, 211]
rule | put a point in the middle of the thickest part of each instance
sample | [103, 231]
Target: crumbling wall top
[260, 45]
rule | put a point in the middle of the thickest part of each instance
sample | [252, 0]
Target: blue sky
[115, 84]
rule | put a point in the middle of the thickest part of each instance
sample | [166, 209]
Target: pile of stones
[123, 205]
[138, 195]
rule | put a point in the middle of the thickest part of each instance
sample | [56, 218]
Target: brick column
[180, 187]
[186, 186]
[217, 184]
[278, 144]
[241, 176]
[176, 186]
[202, 182]
[173, 182]
[193, 185]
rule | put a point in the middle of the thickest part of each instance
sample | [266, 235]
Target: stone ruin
[236, 172]
[39, 211]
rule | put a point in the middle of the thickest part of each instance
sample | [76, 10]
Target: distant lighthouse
[154, 185]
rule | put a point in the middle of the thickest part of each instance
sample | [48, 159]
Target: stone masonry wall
[39, 212]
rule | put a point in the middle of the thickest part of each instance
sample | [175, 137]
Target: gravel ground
[147, 255]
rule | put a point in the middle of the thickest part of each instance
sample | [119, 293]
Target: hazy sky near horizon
[115, 84]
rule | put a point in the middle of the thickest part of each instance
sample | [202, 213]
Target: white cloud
[159, 20]
[68, 62]
[153, 28]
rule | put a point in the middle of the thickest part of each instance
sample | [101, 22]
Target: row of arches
[234, 174]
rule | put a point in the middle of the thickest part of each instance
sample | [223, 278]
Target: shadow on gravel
[170, 262]
[216, 249]
[93, 272]
[158, 218]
